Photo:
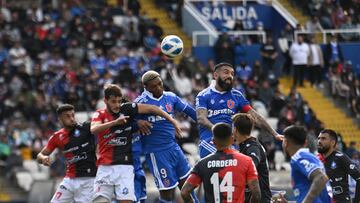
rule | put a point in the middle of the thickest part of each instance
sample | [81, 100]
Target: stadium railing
[326, 32]
[210, 39]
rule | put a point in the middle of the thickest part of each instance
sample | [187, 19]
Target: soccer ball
[172, 46]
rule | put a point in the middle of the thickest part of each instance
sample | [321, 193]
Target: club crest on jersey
[168, 107]
[333, 165]
[230, 103]
[77, 133]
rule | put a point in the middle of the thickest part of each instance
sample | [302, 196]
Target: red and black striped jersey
[115, 143]
[224, 174]
[78, 146]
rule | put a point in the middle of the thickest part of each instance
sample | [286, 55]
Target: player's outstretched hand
[279, 137]
[279, 198]
[144, 127]
[177, 128]
[46, 161]
[121, 120]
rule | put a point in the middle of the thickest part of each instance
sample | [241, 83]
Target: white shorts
[77, 190]
[115, 180]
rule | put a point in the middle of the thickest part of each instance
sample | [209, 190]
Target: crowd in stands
[66, 54]
[332, 14]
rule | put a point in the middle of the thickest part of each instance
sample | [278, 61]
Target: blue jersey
[220, 106]
[162, 135]
[303, 163]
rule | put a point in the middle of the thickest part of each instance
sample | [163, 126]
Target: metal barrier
[327, 32]
[212, 39]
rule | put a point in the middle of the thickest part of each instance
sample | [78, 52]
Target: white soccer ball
[172, 46]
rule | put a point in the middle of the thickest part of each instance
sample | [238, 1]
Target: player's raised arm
[43, 157]
[151, 109]
[202, 118]
[262, 123]
[318, 182]
[98, 126]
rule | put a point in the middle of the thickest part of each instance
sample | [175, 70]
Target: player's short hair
[296, 134]
[148, 76]
[332, 134]
[112, 90]
[222, 64]
[243, 123]
[64, 107]
[221, 131]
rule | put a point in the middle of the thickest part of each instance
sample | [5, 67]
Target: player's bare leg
[167, 195]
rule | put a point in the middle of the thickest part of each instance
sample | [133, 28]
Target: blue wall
[351, 52]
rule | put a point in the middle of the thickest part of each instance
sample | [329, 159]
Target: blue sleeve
[243, 103]
[201, 102]
[306, 166]
[181, 106]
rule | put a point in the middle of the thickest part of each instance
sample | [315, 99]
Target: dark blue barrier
[351, 52]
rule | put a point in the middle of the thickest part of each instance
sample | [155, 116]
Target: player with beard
[338, 167]
[78, 146]
[218, 103]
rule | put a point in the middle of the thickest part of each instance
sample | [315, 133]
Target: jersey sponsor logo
[230, 103]
[77, 158]
[221, 163]
[118, 141]
[221, 101]
[168, 107]
[153, 119]
[71, 149]
[219, 111]
[338, 179]
[63, 187]
[308, 166]
[85, 144]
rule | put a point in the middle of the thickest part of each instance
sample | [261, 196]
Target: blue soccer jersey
[221, 106]
[303, 163]
[162, 135]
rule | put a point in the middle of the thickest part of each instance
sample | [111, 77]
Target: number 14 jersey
[224, 174]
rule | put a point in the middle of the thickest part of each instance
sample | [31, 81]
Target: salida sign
[250, 15]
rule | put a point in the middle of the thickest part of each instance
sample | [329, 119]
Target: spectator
[338, 17]
[313, 25]
[269, 54]
[316, 62]
[284, 44]
[351, 150]
[224, 52]
[150, 41]
[333, 52]
[299, 52]
[98, 62]
[348, 24]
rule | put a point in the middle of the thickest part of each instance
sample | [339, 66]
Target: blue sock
[194, 197]
[164, 201]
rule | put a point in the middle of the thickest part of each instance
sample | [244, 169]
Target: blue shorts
[206, 148]
[140, 185]
[139, 179]
[168, 167]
